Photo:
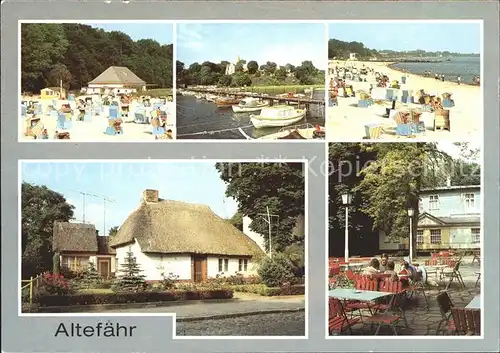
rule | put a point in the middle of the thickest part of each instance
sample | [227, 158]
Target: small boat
[226, 101]
[276, 116]
[249, 105]
[211, 98]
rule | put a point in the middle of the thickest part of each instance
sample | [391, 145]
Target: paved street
[282, 324]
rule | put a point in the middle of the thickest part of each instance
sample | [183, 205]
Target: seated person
[373, 268]
[383, 262]
[407, 272]
[390, 270]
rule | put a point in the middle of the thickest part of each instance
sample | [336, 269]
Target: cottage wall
[233, 267]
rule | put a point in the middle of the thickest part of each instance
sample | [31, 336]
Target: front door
[199, 268]
[104, 268]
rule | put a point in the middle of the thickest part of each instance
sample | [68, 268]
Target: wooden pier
[227, 93]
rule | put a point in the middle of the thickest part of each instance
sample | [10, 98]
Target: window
[433, 202]
[435, 236]
[75, 263]
[469, 201]
[223, 265]
[476, 235]
[420, 236]
[242, 265]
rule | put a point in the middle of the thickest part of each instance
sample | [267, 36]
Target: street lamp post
[410, 215]
[346, 200]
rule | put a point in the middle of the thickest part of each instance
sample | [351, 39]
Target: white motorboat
[277, 116]
[249, 105]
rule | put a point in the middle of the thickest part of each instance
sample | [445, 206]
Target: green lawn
[283, 89]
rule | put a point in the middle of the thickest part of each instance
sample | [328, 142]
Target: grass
[157, 92]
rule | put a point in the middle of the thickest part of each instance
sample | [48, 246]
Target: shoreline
[390, 66]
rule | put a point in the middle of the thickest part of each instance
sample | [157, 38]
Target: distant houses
[116, 79]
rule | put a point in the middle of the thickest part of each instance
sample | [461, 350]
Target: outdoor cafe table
[363, 296]
[475, 303]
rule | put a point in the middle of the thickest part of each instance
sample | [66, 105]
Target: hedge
[263, 290]
[135, 297]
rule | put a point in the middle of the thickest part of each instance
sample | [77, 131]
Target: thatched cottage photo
[113, 233]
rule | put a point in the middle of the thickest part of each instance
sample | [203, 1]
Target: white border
[174, 42]
[305, 163]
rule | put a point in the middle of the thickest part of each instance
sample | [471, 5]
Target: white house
[186, 240]
[231, 67]
[115, 79]
[78, 244]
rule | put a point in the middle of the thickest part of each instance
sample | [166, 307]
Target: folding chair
[478, 280]
[396, 287]
[362, 283]
[455, 274]
[338, 321]
[445, 305]
[386, 317]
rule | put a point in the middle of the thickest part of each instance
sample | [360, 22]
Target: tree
[270, 67]
[113, 230]
[130, 278]
[258, 186]
[237, 220]
[225, 81]
[90, 277]
[59, 73]
[276, 271]
[40, 208]
[280, 74]
[252, 67]
[240, 79]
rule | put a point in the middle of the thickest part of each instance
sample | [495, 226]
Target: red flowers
[55, 283]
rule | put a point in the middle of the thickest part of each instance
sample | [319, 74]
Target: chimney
[448, 181]
[150, 196]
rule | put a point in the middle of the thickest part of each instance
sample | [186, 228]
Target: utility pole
[268, 220]
[104, 199]
[83, 197]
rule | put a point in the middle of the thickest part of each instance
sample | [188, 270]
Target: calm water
[199, 119]
[465, 67]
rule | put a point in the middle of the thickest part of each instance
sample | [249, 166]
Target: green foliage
[237, 220]
[277, 271]
[90, 278]
[208, 73]
[262, 289]
[77, 53]
[113, 230]
[277, 186]
[131, 278]
[168, 281]
[40, 208]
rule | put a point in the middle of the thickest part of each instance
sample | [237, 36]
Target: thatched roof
[166, 226]
[74, 237]
[118, 75]
[103, 247]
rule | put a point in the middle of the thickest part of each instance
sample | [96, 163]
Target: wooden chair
[445, 305]
[362, 283]
[389, 314]
[338, 321]
[476, 258]
[467, 321]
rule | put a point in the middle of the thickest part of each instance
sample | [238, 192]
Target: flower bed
[133, 297]
[263, 290]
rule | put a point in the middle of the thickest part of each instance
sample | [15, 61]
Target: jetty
[227, 93]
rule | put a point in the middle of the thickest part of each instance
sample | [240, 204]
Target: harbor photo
[251, 81]
[96, 82]
[219, 243]
[421, 84]
[404, 239]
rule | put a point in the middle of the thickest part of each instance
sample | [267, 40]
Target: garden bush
[55, 284]
[132, 297]
[262, 289]
[276, 271]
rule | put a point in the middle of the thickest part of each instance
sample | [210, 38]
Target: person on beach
[458, 80]
[436, 77]
[442, 78]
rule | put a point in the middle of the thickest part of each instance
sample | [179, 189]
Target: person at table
[389, 269]
[373, 268]
[383, 262]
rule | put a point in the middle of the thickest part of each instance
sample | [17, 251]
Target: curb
[233, 315]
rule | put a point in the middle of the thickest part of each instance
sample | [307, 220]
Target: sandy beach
[93, 131]
[346, 122]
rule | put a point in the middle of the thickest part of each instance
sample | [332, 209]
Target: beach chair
[373, 131]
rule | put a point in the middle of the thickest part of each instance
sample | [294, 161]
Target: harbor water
[199, 119]
[465, 67]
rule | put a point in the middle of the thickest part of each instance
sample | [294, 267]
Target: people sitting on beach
[458, 80]
[373, 268]
[436, 76]
[436, 104]
[442, 78]
[390, 270]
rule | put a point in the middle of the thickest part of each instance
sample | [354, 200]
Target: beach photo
[106, 81]
[223, 239]
[401, 80]
[251, 80]
[404, 240]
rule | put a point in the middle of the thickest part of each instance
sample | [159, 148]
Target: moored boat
[276, 116]
[226, 101]
[303, 132]
[249, 105]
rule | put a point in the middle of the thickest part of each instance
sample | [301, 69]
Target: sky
[453, 37]
[193, 182]
[281, 43]
[453, 150]
[161, 32]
